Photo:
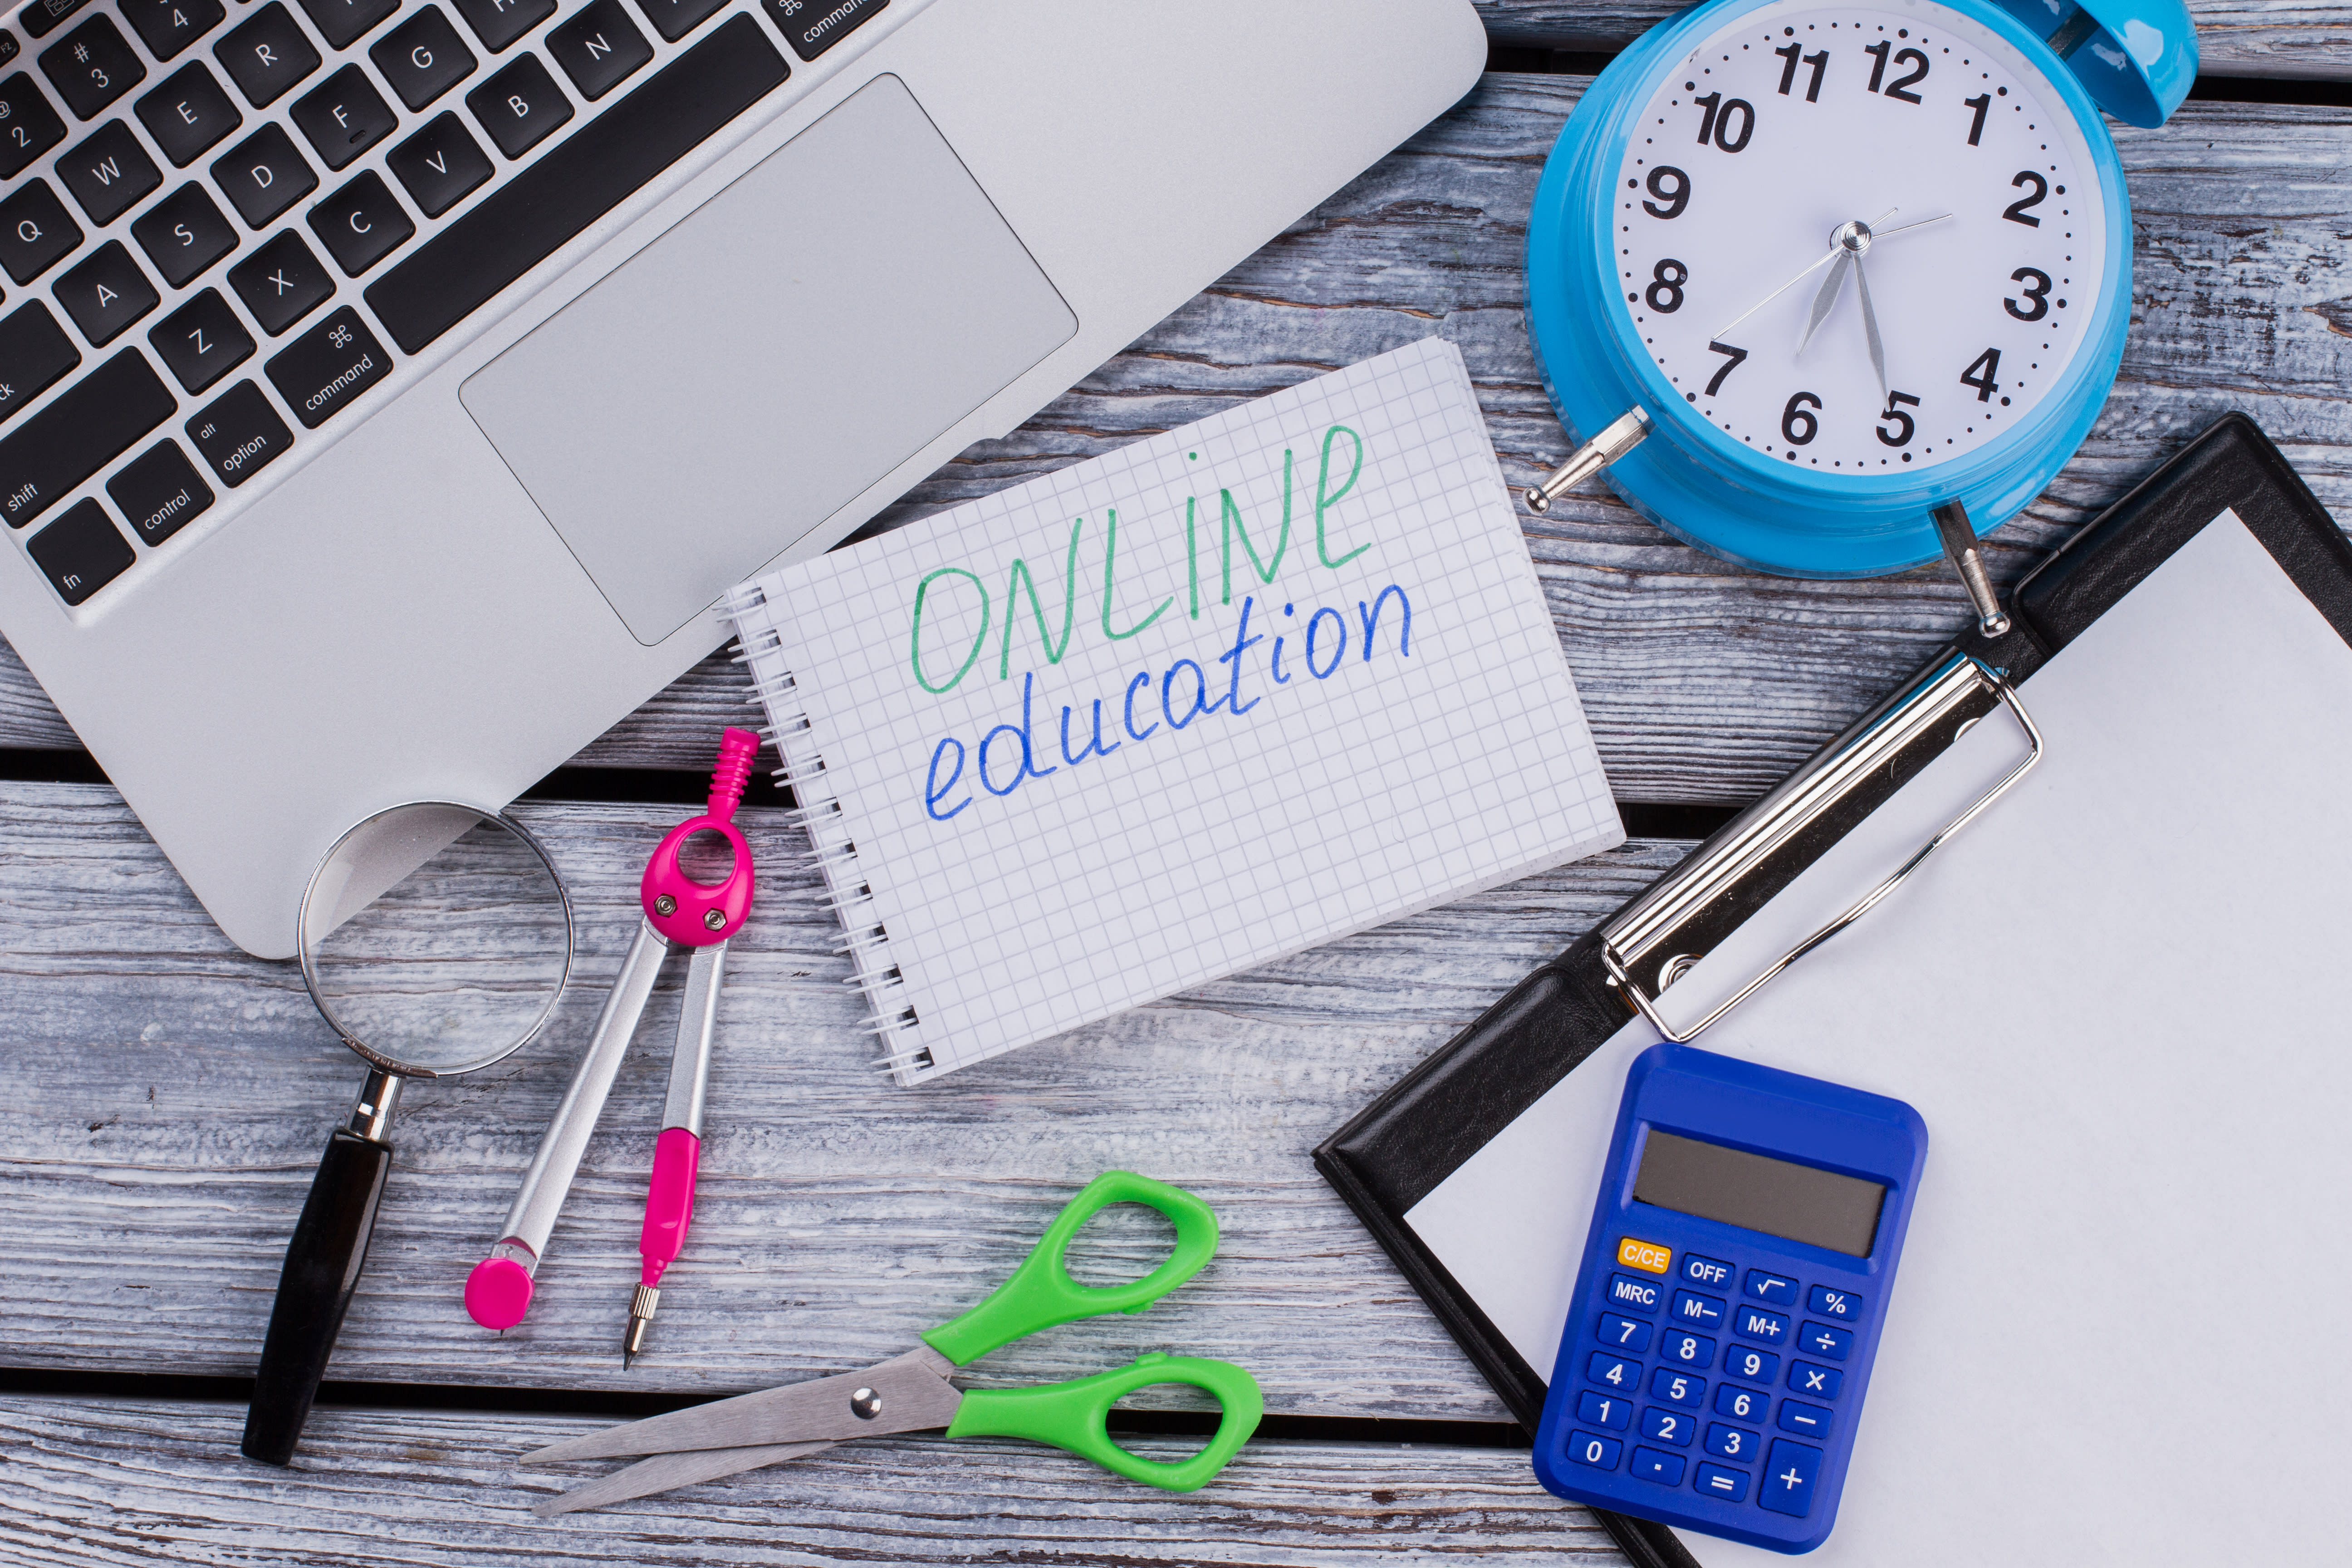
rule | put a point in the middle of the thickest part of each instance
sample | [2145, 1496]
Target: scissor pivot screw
[664, 905]
[713, 918]
[865, 1403]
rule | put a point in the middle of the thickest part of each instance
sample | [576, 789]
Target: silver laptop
[388, 390]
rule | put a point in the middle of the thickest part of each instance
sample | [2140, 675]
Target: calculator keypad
[1750, 1437]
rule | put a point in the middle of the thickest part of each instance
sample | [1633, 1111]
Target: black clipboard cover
[1398, 1148]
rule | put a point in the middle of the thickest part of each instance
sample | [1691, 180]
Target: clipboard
[1464, 1096]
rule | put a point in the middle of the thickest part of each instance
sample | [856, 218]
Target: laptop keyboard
[327, 188]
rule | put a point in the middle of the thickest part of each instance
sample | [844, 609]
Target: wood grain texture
[164, 1099]
[112, 1484]
[2234, 37]
[1703, 682]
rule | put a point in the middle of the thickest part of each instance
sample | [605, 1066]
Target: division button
[33, 127]
[189, 114]
[239, 434]
[423, 58]
[520, 107]
[323, 369]
[160, 492]
[105, 292]
[82, 551]
[1821, 1339]
[281, 282]
[360, 224]
[107, 173]
[35, 355]
[35, 232]
[79, 432]
[440, 166]
[264, 175]
[93, 66]
[201, 341]
[1789, 1472]
[183, 234]
[265, 54]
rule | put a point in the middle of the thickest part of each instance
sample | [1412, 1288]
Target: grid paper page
[1265, 681]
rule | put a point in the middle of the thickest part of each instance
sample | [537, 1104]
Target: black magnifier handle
[322, 1268]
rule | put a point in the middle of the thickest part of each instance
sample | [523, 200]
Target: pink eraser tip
[497, 1292]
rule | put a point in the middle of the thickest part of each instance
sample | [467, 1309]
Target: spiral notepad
[1275, 677]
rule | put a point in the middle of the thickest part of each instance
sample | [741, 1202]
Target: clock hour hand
[1826, 300]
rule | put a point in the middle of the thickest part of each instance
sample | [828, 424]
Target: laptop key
[673, 19]
[160, 492]
[35, 355]
[189, 114]
[108, 173]
[320, 373]
[520, 107]
[811, 28]
[589, 174]
[183, 234]
[105, 293]
[82, 551]
[281, 283]
[265, 54]
[360, 224]
[499, 23]
[440, 166]
[239, 434]
[264, 175]
[343, 116]
[167, 27]
[344, 22]
[35, 232]
[29, 126]
[202, 341]
[93, 66]
[423, 58]
[598, 47]
[80, 430]
[40, 20]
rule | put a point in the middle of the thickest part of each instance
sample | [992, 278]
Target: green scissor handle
[1071, 1415]
[1041, 1293]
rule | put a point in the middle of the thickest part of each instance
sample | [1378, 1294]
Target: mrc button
[1705, 1270]
[1635, 1295]
[1643, 1254]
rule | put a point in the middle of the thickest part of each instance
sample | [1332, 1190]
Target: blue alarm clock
[1730, 1298]
[1831, 287]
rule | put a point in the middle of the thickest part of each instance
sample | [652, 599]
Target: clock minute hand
[1870, 331]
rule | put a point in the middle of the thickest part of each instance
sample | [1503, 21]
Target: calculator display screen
[1796, 1203]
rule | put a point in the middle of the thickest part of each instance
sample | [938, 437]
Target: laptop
[389, 390]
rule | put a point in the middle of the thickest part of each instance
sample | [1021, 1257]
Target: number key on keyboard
[598, 47]
[520, 107]
[439, 165]
[82, 429]
[343, 116]
[265, 54]
[239, 434]
[108, 173]
[167, 27]
[423, 58]
[344, 22]
[281, 282]
[183, 234]
[29, 126]
[360, 224]
[499, 23]
[35, 353]
[320, 373]
[202, 341]
[264, 175]
[35, 232]
[105, 292]
[93, 66]
[81, 552]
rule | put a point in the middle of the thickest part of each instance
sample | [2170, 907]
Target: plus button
[1792, 1468]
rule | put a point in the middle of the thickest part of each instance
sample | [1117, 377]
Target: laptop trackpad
[744, 376]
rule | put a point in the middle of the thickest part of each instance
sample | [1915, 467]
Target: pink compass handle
[681, 908]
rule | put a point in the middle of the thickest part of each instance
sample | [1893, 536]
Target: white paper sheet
[1397, 727]
[2118, 1001]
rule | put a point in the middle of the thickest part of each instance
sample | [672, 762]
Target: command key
[323, 369]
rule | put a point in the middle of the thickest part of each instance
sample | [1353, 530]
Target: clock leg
[1624, 432]
[1959, 538]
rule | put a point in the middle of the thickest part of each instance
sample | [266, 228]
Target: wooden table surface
[164, 1097]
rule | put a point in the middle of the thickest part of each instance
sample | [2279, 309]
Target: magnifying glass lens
[436, 937]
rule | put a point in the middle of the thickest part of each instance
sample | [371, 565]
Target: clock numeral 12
[1716, 128]
[1980, 372]
[1819, 62]
[1895, 88]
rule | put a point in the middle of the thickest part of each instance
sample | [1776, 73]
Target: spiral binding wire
[893, 1020]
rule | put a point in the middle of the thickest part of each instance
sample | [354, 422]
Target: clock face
[1985, 245]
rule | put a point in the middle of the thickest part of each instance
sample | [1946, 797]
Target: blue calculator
[1728, 1308]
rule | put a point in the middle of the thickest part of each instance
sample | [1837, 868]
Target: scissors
[690, 914]
[910, 1391]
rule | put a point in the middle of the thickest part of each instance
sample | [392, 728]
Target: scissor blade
[910, 1391]
[665, 1471]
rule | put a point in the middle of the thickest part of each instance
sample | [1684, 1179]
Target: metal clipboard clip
[1660, 935]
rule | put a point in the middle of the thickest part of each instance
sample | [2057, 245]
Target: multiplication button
[1820, 1381]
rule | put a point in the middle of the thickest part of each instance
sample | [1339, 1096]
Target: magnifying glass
[435, 940]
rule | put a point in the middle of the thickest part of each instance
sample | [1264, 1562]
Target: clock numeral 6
[1917, 61]
[2016, 211]
[2037, 294]
[1670, 185]
[1797, 415]
[1665, 291]
[1716, 127]
[1980, 372]
[1894, 404]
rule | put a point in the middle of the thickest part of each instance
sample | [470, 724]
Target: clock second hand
[1832, 253]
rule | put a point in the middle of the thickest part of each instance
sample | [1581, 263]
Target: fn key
[328, 366]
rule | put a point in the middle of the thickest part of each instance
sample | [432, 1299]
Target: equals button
[322, 371]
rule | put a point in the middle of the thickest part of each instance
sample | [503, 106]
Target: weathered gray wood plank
[163, 1098]
[2234, 37]
[107, 1484]
[1704, 682]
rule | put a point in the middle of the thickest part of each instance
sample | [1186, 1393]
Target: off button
[1647, 1256]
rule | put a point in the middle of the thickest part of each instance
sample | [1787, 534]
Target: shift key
[328, 366]
[84, 427]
